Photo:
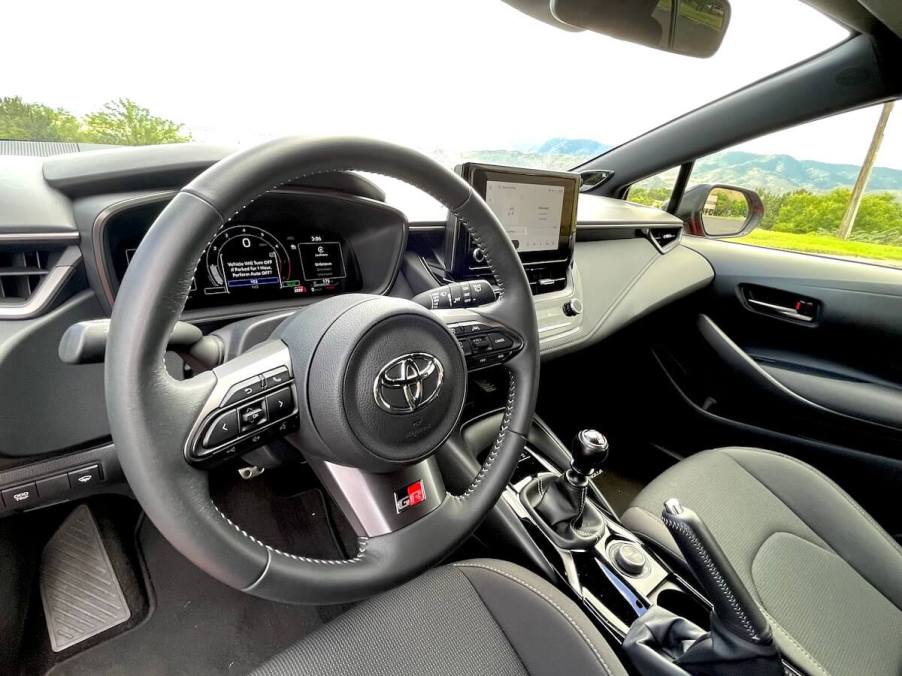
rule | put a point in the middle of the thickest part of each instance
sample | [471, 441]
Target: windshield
[463, 80]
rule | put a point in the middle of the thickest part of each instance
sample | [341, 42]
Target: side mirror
[720, 210]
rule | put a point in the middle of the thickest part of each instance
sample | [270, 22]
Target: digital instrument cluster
[252, 262]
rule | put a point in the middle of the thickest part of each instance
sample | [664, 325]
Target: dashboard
[76, 221]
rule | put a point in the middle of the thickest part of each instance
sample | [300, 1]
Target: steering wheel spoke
[379, 504]
[484, 335]
[253, 401]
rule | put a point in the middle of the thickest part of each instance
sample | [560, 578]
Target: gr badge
[410, 496]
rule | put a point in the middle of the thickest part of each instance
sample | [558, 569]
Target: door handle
[790, 312]
[780, 303]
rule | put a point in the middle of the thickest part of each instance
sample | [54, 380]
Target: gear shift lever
[590, 452]
[558, 503]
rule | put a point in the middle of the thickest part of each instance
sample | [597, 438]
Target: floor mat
[79, 590]
[199, 626]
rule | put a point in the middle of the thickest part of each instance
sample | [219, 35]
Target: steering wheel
[373, 387]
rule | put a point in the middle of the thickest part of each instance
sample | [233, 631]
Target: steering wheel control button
[275, 378]
[252, 416]
[500, 342]
[484, 345]
[20, 497]
[243, 390]
[280, 403]
[223, 429]
[85, 477]
[629, 558]
[480, 343]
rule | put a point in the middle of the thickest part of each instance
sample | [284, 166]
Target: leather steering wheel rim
[150, 412]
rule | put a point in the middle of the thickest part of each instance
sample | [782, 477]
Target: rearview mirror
[688, 27]
[720, 210]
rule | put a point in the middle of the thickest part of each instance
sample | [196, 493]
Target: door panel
[826, 389]
[826, 333]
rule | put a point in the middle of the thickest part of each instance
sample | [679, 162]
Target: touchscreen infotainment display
[536, 207]
[531, 213]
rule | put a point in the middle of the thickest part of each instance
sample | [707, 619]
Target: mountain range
[777, 173]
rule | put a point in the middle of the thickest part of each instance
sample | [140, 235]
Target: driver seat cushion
[474, 617]
[826, 575]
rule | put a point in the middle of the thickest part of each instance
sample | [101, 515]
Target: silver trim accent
[410, 381]
[368, 500]
[38, 237]
[47, 290]
[98, 228]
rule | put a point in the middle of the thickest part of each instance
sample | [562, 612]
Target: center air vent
[32, 275]
[665, 238]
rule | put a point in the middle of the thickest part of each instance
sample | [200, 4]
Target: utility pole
[848, 220]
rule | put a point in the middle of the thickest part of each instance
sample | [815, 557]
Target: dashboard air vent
[665, 238]
[21, 272]
[34, 273]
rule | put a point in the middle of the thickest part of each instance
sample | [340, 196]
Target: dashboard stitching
[362, 541]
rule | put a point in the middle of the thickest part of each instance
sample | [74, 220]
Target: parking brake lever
[732, 603]
[740, 639]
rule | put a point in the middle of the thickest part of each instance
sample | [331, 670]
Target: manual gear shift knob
[590, 452]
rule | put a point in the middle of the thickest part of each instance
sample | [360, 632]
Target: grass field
[825, 244]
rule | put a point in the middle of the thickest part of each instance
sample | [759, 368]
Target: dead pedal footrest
[79, 589]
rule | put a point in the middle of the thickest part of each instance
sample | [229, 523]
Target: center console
[615, 575]
[663, 623]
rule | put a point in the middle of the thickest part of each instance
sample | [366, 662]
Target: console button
[243, 390]
[280, 403]
[87, 476]
[252, 416]
[20, 497]
[275, 378]
[53, 486]
[500, 341]
[223, 429]
[465, 346]
[480, 343]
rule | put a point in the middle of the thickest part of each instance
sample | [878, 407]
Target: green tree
[23, 121]
[879, 218]
[652, 197]
[124, 122]
[804, 211]
[773, 202]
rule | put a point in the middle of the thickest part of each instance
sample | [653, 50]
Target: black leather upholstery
[475, 617]
[826, 576]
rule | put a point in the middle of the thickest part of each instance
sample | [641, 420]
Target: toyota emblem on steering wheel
[408, 383]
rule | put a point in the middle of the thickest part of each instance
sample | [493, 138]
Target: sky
[432, 74]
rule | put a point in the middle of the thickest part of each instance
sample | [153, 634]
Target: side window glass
[831, 187]
[654, 191]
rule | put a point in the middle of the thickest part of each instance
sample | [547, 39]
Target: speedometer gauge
[244, 256]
